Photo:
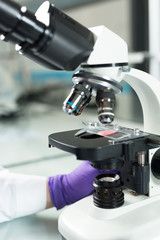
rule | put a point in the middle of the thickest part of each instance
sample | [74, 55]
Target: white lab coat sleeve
[21, 195]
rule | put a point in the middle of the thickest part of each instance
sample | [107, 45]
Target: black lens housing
[108, 191]
[105, 101]
[62, 45]
[78, 99]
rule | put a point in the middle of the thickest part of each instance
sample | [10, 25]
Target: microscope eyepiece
[78, 98]
[60, 44]
[105, 101]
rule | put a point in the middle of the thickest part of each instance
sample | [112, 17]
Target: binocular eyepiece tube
[44, 42]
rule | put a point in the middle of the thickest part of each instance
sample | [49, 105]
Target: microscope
[126, 199]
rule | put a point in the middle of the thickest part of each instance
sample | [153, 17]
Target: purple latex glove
[69, 188]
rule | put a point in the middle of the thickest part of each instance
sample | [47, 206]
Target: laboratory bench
[25, 138]
[24, 149]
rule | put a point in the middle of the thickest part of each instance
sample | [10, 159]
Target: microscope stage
[90, 146]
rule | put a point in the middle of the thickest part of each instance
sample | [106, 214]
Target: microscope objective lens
[105, 100]
[77, 100]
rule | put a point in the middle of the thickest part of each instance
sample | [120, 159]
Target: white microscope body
[139, 217]
[60, 43]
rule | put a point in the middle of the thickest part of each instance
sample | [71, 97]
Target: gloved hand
[69, 188]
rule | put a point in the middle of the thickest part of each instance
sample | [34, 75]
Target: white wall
[114, 14]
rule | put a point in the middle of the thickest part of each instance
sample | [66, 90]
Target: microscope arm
[148, 91]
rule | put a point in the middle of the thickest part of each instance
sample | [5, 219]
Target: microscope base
[138, 218]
